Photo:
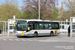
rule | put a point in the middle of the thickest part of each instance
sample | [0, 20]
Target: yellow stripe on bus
[22, 33]
[56, 31]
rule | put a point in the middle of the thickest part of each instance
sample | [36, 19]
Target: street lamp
[39, 9]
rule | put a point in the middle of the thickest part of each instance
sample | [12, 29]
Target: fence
[3, 26]
[72, 26]
[64, 26]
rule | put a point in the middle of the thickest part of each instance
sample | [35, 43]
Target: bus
[37, 28]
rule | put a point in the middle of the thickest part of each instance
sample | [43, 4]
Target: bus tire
[35, 34]
[51, 34]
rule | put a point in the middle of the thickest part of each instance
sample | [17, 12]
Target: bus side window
[49, 26]
[56, 26]
[41, 26]
[45, 26]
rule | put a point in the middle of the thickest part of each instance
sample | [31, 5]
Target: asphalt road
[27, 45]
[31, 43]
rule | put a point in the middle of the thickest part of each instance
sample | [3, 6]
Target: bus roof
[33, 20]
[37, 20]
[43, 22]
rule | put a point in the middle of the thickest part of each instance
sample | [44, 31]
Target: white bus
[36, 28]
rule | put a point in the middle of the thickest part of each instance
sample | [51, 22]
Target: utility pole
[39, 8]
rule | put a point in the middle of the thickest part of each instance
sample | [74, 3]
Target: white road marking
[17, 39]
[23, 39]
[35, 40]
[4, 39]
[29, 40]
[10, 39]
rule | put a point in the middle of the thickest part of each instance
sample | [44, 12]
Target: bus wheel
[51, 34]
[35, 34]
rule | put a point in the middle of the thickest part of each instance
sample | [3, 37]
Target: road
[31, 43]
[36, 45]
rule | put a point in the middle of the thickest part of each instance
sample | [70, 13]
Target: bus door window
[36, 26]
[30, 25]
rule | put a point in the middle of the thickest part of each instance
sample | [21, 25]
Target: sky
[59, 6]
[21, 2]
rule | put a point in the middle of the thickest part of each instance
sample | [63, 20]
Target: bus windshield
[21, 25]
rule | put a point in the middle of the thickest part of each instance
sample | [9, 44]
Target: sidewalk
[2, 36]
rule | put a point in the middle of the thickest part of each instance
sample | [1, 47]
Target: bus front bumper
[25, 34]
